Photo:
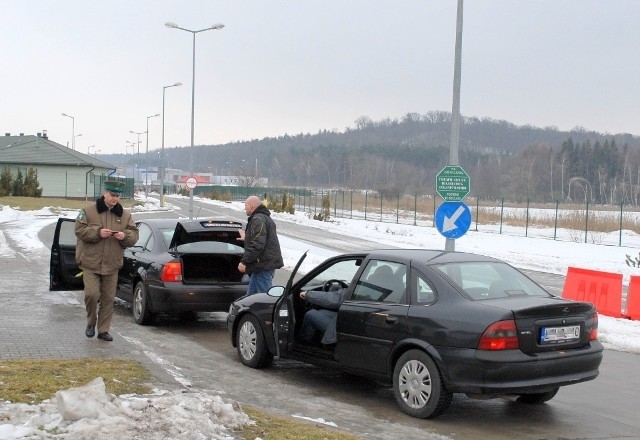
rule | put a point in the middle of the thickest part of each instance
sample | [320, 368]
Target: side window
[143, 235]
[343, 270]
[382, 281]
[424, 292]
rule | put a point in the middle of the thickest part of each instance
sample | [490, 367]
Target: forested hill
[403, 155]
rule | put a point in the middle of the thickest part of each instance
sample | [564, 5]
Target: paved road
[198, 355]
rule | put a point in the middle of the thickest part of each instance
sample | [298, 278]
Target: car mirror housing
[276, 291]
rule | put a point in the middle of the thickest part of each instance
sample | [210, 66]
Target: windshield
[489, 280]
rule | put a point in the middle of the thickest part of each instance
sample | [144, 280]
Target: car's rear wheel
[141, 311]
[418, 386]
[251, 344]
[537, 398]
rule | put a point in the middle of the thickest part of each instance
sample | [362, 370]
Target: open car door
[284, 319]
[64, 273]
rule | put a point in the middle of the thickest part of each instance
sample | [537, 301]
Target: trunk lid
[552, 324]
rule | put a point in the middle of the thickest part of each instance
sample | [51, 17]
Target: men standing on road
[262, 255]
[103, 230]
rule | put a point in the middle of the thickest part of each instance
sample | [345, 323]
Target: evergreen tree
[18, 185]
[5, 182]
[31, 184]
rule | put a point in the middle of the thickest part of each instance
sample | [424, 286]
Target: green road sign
[452, 183]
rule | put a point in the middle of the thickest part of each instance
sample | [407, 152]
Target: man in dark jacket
[103, 229]
[262, 255]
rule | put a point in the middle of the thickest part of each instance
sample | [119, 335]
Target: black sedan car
[431, 323]
[176, 266]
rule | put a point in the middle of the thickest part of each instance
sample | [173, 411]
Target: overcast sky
[289, 67]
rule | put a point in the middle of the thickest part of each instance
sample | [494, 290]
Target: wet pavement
[38, 324]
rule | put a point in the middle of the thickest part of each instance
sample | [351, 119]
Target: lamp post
[193, 88]
[131, 145]
[73, 130]
[146, 174]
[74, 140]
[138, 155]
[164, 88]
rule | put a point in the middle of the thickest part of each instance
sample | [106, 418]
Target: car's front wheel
[537, 398]
[418, 386]
[251, 344]
[141, 311]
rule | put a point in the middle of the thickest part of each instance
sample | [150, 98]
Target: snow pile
[89, 412]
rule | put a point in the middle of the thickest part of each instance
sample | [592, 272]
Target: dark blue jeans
[260, 281]
[315, 323]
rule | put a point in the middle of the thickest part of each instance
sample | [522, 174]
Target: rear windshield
[489, 280]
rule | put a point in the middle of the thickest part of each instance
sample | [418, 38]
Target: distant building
[62, 172]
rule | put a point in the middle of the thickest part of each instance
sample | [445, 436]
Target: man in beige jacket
[103, 229]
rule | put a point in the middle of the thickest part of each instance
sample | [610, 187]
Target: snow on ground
[194, 415]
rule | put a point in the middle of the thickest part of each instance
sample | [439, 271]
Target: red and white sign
[191, 182]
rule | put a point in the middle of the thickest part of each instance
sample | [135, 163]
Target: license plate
[554, 335]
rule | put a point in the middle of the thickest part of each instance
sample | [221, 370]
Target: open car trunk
[209, 250]
[207, 268]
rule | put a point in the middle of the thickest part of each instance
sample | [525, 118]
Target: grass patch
[32, 381]
[270, 427]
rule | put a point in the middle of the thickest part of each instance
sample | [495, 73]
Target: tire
[251, 344]
[418, 386]
[140, 306]
[537, 398]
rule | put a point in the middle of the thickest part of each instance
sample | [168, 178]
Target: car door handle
[391, 320]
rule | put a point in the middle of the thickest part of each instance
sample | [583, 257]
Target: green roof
[37, 150]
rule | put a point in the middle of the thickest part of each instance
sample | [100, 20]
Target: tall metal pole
[455, 110]
[146, 174]
[73, 130]
[193, 97]
[193, 93]
[138, 154]
[164, 88]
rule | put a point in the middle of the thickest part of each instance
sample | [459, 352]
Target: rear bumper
[178, 297]
[513, 372]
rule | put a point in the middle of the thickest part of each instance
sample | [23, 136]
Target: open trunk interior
[208, 268]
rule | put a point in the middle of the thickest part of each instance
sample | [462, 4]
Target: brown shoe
[105, 336]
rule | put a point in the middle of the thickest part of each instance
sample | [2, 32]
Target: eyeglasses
[113, 194]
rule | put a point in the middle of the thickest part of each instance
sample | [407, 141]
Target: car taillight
[501, 335]
[171, 272]
[593, 334]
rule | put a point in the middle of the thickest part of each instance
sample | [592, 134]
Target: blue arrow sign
[453, 219]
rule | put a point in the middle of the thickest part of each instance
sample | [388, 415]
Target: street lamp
[138, 156]
[73, 130]
[74, 140]
[131, 145]
[164, 88]
[146, 174]
[193, 88]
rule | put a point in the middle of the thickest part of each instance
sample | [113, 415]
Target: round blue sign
[453, 219]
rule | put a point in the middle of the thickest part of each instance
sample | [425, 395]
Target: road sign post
[452, 183]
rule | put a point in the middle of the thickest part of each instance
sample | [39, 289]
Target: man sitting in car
[319, 325]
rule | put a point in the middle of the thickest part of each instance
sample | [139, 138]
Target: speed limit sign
[191, 182]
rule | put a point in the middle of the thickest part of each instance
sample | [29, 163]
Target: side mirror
[276, 291]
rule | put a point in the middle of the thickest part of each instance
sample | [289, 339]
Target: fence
[575, 222]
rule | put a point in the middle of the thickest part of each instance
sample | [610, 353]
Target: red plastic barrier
[633, 298]
[603, 289]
